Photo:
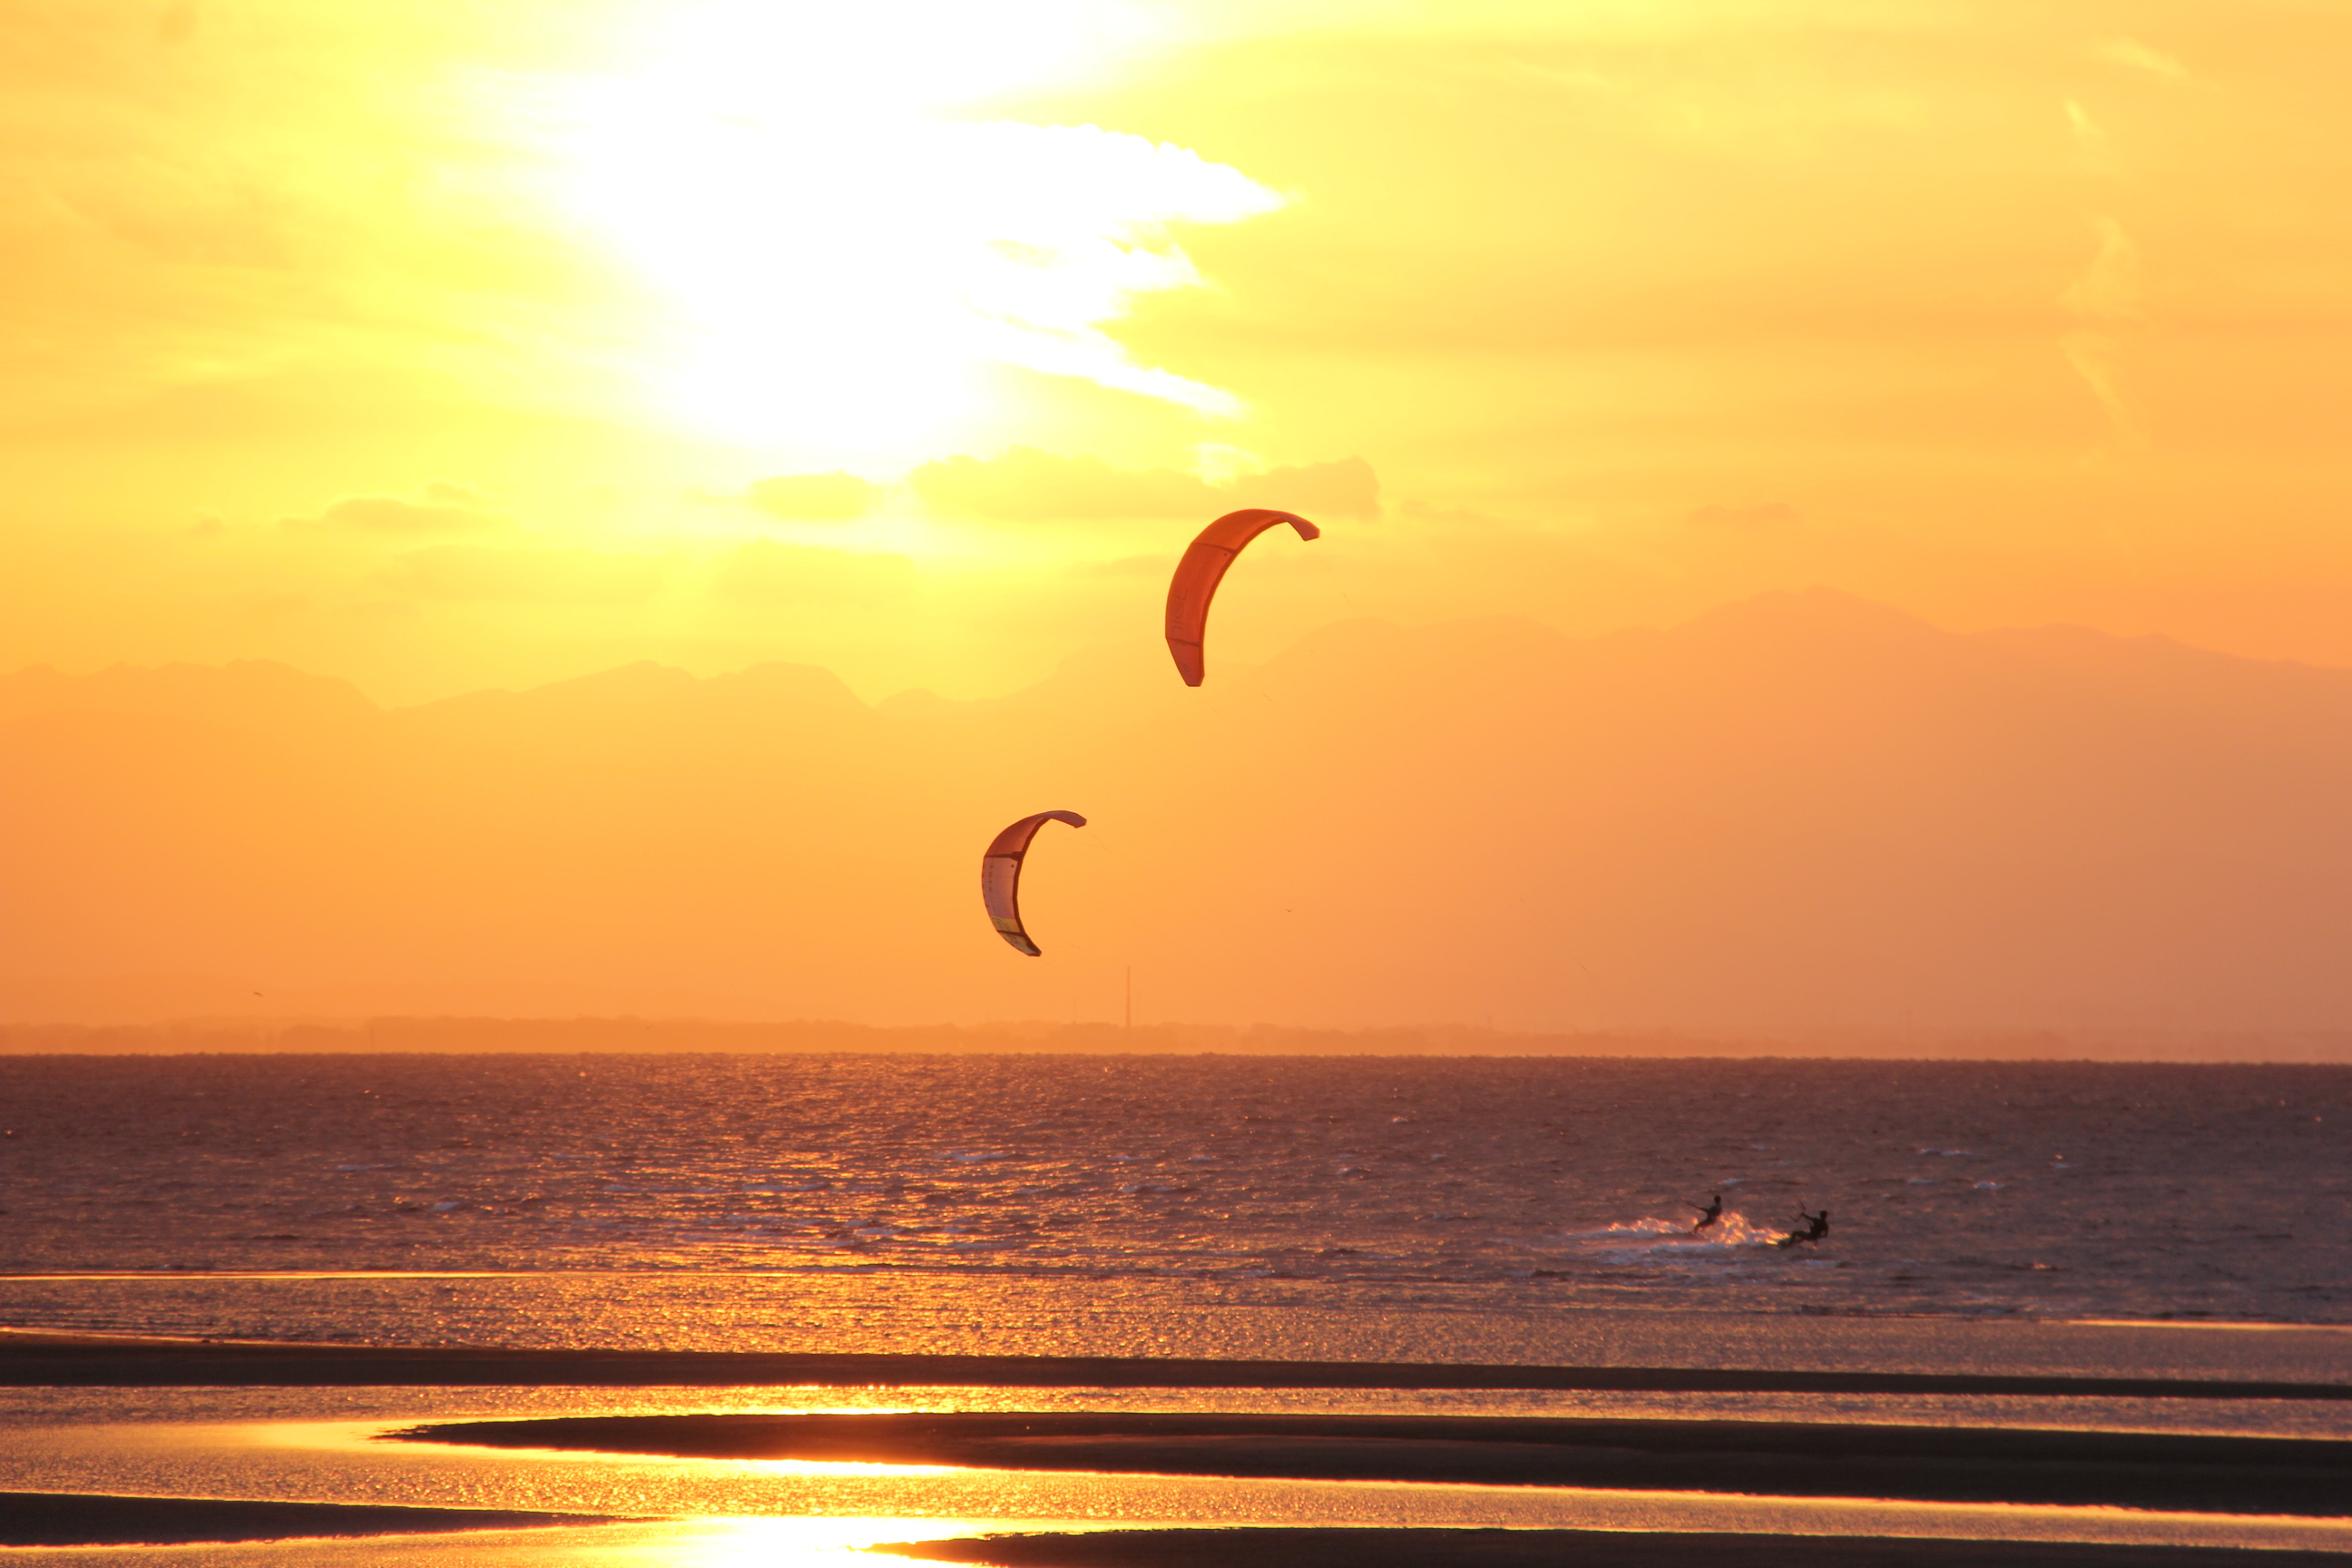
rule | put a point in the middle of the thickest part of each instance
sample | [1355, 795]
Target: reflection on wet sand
[768, 1511]
[1643, 1533]
[1312, 1548]
[669, 1543]
[76, 1518]
[2220, 1475]
[320, 1443]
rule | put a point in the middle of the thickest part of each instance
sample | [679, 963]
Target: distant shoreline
[334, 1034]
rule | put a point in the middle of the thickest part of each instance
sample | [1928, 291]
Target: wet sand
[33, 1359]
[1924, 1464]
[2246, 1476]
[1314, 1548]
[74, 1519]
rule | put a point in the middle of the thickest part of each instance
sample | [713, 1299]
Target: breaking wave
[1653, 1238]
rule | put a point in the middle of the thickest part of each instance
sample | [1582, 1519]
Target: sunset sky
[463, 345]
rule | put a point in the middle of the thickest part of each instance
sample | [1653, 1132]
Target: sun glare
[842, 244]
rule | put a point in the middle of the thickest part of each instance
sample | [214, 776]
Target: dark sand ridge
[36, 1358]
[1341, 1548]
[1923, 1464]
[76, 1518]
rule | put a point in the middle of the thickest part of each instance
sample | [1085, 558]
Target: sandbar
[1353, 1548]
[2306, 1477]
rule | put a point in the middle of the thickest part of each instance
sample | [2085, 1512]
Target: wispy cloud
[2105, 301]
[442, 507]
[2090, 141]
[2133, 54]
[1027, 485]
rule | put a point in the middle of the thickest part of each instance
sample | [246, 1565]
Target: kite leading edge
[1202, 568]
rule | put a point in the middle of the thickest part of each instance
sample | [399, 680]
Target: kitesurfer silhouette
[1707, 1213]
[1817, 1226]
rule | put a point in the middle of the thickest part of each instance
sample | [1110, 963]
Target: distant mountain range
[1799, 812]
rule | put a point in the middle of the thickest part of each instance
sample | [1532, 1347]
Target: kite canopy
[1202, 568]
[999, 876]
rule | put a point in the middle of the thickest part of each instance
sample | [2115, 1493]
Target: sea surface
[1421, 1207]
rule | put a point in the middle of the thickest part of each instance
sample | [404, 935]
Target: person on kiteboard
[1707, 1213]
[1817, 1226]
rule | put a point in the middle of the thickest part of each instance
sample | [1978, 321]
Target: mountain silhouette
[1802, 810]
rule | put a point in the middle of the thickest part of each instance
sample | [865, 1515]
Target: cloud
[2106, 300]
[232, 193]
[1348, 488]
[867, 280]
[773, 575]
[814, 497]
[1026, 485]
[545, 576]
[442, 507]
[2090, 141]
[2108, 289]
[2133, 54]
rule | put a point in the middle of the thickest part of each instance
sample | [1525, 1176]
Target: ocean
[1455, 1208]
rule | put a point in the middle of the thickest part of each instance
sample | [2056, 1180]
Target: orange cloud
[2106, 300]
[443, 508]
[2134, 54]
[1026, 485]
[1345, 489]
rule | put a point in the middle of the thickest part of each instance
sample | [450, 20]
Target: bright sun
[839, 255]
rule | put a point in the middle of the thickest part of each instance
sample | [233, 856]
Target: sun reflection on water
[705, 1543]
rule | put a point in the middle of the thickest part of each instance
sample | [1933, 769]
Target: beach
[1112, 1463]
